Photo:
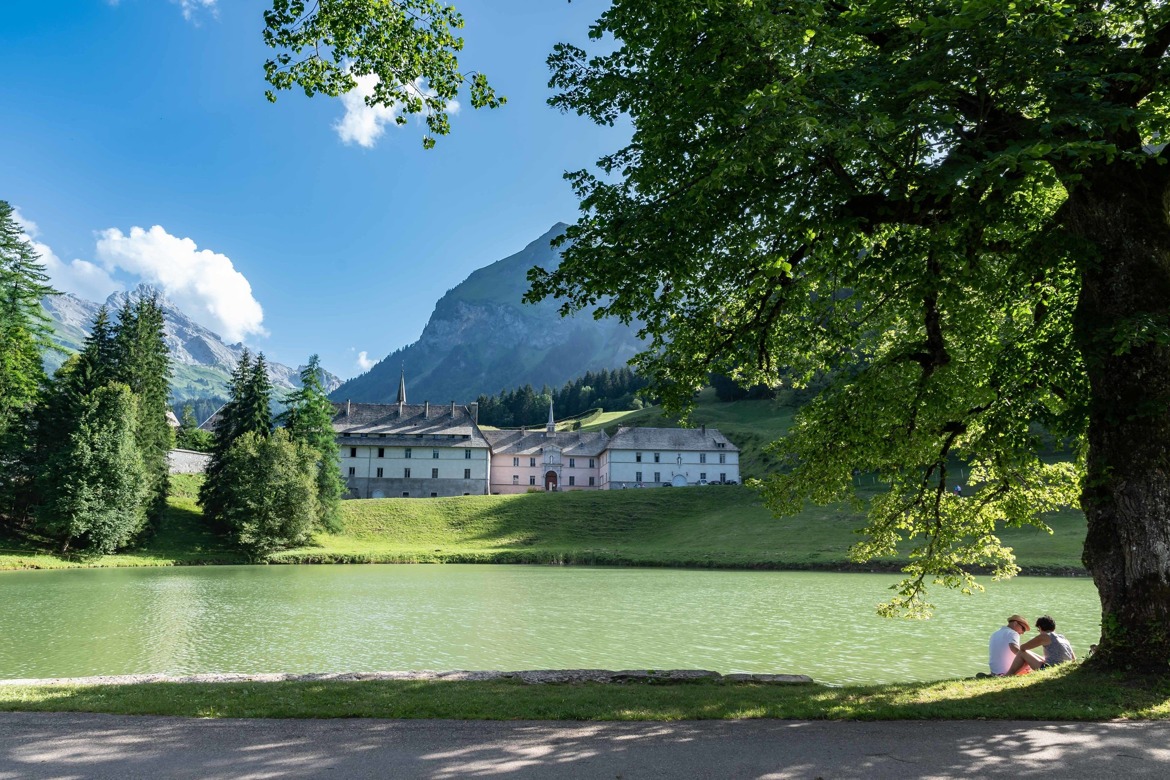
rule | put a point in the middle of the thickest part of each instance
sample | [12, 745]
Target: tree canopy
[957, 208]
[409, 47]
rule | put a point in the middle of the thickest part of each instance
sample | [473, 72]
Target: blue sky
[138, 146]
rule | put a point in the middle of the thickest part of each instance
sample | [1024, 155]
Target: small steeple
[551, 430]
[402, 386]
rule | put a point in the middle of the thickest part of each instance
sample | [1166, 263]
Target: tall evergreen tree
[24, 335]
[309, 419]
[97, 480]
[247, 411]
[142, 362]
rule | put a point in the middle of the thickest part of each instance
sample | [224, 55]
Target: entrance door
[550, 481]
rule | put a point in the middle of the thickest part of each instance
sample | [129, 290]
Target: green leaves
[407, 47]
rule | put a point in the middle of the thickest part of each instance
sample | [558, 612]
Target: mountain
[481, 338]
[201, 362]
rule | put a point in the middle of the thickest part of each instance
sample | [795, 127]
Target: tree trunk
[1122, 327]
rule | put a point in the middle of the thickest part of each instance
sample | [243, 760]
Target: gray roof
[587, 444]
[380, 421]
[681, 439]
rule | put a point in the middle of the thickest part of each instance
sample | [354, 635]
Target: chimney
[473, 410]
[426, 410]
[348, 407]
[452, 409]
[704, 430]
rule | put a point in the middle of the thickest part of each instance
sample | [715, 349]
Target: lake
[189, 620]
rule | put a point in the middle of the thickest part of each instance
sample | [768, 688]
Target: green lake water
[384, 618]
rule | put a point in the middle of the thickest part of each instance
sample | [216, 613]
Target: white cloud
[80, 277]
[364, 125]
[364, 362]
[204, 284]
[192, 7]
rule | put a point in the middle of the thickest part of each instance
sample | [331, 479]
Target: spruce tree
[98, 478]
[142, 362]
[24, 335]
[309, 420]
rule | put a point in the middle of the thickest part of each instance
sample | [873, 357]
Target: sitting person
[1057, 650]
[1004, 647]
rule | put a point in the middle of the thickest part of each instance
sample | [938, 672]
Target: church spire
[402, 386]
[551, 430]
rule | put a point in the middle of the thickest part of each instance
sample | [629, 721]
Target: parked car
[702, 482]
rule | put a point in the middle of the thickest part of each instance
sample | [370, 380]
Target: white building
[526, 460]
[654, 457]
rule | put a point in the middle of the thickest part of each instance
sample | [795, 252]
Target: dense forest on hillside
[611, 390]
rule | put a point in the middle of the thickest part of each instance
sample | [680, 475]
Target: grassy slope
[713, 526]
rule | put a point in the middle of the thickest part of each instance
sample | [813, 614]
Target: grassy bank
[711, 526]
[1056, 695]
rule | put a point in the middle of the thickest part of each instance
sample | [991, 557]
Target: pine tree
[309, 420]
[97, 482]
[142, 362]
[24, 335]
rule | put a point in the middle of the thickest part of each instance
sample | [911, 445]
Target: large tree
[309, 420]
[958, 208]
[24, 334]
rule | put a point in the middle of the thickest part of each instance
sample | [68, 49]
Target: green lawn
[711, 526]
[1060, 694]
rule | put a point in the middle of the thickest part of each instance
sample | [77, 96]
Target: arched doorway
[550, 480]
[678, 480]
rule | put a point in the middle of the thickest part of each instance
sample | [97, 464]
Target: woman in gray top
[1057, 650]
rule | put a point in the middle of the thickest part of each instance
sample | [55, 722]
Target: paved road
[35, 745]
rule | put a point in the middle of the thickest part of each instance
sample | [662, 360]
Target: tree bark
[1122, 327]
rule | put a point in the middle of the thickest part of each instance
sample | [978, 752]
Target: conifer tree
[24, 335]
[309, 420]
[98, 479]
[142, 362]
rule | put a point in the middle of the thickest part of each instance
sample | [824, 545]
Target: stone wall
[188, 461]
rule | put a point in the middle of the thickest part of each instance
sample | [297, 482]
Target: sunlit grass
[1065, 694]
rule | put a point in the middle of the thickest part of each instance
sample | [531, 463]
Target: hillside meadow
[721, 526]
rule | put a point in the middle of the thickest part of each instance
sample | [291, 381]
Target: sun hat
[1018, 619]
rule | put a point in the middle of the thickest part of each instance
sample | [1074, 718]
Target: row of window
[407, 453]
[658, 457]
[532, 480]
[406, 473]
[572, 462]
[658, 476]
[415, 436]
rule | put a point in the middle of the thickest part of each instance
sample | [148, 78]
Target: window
[406, 453]
[637, 476]
[723, 457]
[720, 445]
[467, 473]
[406, 473]
[657, 476]
[434, 495]
[532, 480]
[406, 495]
[702, 457]
[658, 457]
[515, 462]
[467, 454]
[591, 465]
[532, 462]
[434, 454]
[379, 472]
[572, 481]
[591, 482]
[722, 476]
[352, 471]
[381, 452]
[353, 452]
[702, 475]
[637, 457]
[515, 479]
[434, 473]
[572, 463]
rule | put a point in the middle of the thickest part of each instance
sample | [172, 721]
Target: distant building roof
[575, 443]
[408, 422]
[172, 420]
[670, 439]
[212, 422]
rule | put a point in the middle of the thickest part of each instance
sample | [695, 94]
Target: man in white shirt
[1004, 645]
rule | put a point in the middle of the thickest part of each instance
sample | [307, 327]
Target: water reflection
[377, 618]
